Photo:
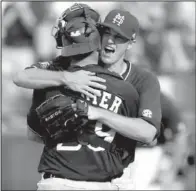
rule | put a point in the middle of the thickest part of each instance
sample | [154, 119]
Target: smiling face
[113, 46]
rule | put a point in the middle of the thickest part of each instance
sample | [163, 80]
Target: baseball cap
[122, 22]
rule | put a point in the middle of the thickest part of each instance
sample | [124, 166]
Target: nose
[111, 39]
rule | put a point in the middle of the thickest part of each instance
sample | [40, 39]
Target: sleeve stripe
[29, 67]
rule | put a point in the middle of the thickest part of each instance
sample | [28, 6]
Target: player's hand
[84, 82]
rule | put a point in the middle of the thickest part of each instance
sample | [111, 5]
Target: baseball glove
[58, 117]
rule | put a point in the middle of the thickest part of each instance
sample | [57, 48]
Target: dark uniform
[148, 88]
[103, 153]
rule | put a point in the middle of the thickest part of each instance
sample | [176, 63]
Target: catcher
[97, 153]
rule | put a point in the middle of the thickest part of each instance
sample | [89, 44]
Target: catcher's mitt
[58, 117]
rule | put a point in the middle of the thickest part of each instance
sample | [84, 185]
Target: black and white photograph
[98, 95]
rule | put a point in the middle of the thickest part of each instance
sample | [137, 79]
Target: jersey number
[107, 136]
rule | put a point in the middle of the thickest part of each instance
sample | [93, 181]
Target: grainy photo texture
[98, 95]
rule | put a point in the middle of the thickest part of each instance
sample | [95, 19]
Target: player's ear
[129, 45]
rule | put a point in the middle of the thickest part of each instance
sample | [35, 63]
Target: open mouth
[109, 49]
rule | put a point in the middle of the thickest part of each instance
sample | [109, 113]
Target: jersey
[148, 88]
[162, 112]
[93, 161]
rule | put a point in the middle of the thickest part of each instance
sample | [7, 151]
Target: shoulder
[144, 73]
[40, 65]
[61, 60]
[58, 63]
[150, 78]
[143, 77]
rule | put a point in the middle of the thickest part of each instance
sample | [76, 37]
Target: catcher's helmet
[76, 31]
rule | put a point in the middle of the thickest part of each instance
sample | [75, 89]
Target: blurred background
[165, 45]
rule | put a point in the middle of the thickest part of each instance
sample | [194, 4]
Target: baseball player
[102, 165]
[118, 98]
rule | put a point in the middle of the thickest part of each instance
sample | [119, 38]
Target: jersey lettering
[116, 104]
[105, 97]
[103, 102]
[94, 100]
[61, 147]
[106, 101]
[107, 136]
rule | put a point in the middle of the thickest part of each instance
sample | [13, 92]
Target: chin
[107, 61]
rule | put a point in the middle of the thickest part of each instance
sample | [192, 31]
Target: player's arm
[134, 128]
[38, 76]
[35, 78]
[146, 126]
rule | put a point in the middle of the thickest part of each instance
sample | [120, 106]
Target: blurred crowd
[167, 30]
[165, 45]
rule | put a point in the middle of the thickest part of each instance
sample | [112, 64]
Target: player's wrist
[65, 78]
[94, 113]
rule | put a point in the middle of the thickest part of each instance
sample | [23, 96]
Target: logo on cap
[118, 19]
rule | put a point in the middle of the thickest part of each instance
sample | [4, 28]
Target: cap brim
[115, 28]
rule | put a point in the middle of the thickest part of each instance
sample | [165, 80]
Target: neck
[90, 59]
[118, 67]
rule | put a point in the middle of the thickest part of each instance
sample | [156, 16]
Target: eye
[119, 37]
[106, 32]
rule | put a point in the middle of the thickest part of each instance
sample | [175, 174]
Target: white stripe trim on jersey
[96, 149]
[128, 71]
[61, 147]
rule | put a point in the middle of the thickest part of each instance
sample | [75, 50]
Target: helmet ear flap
[58, 38]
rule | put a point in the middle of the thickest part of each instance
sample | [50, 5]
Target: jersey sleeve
[41, 65]
[150, 104]
[59, 63]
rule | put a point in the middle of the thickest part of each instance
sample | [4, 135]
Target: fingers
[93, 91]
[97, 79]
[87, 93]
[90, 73]
[97, 85]
[93, 77]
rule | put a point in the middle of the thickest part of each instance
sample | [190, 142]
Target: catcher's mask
[75, 31]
